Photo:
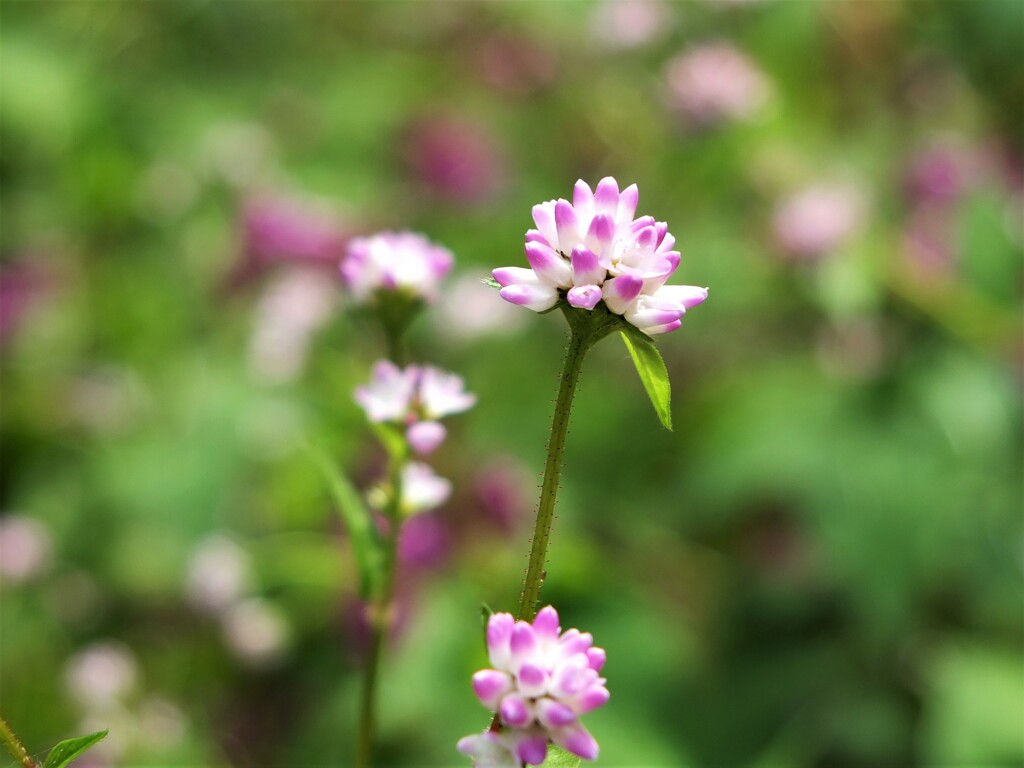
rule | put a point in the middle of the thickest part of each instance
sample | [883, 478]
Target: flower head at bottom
[541, 681]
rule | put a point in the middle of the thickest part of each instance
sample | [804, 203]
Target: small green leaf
[490, 282]
[559, 758]
[485, 616]
[356, 518]
[67, 750]
[653, 373]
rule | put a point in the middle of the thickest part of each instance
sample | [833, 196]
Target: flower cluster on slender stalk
[540, 683]
[593, 251]
[607, 271]
[394, 276]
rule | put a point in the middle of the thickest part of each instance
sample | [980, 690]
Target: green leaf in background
[69, 749]
[356, 518]
[559, 758]
[652, 372]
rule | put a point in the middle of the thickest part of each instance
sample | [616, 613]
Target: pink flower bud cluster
[414, 399]
[541, 683]
[403, 262]
[592, 250]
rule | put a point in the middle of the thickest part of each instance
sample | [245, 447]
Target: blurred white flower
[293, 308]
[630, 23]
[102, 674]
[257, 632]
[470, 312]
[422, 489]
[818, 219]
[25, 548]
[219, 574]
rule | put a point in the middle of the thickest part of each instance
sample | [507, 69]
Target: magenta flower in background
[23, 286]
[540, 683]
[591, 251]
[715, 83]
[454, 157]
[402, 262]
[817, 220]
[289, 229]
[938, 174]
[414, 398]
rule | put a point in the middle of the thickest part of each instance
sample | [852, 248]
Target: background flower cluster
[820, 566]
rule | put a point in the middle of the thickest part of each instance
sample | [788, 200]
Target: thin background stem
[380, 617]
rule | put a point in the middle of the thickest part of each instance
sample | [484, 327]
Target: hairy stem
[14, 746]
[381, 613]
[579, 342]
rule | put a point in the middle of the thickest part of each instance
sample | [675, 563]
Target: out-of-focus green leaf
[652, 372]
[559, 758]
[67, 750]
[357, 520]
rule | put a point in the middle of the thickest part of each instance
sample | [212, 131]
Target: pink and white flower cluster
[592, 250]
[404, 262]
[414, 399]
[542, 681]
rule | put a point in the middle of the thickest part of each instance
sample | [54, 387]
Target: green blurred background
[820, 566]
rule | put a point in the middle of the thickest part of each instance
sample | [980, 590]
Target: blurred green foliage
[820, 566]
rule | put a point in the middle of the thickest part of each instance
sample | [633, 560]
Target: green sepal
[67, 750]
[560, 758]
[653, 373]
[490, 282]
[357, 519]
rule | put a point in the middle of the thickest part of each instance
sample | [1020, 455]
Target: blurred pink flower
[257, 632]
[454, 157]
[499, 487]
[470, 312]
[25, 548]
[939, 173]
[817, 220]
[540, 683]
[218, 574]
[630, 23]
[394, 262]
[714, 83]
[422, 541]
[516, 64]
[102, 674]
[291, 310]
[414, 398]
[289, 229]
[23, 286]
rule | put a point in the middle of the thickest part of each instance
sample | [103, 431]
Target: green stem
[381, 616]
[14, 746]
[580, 341]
